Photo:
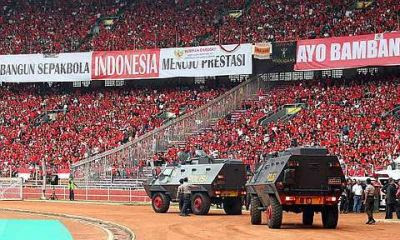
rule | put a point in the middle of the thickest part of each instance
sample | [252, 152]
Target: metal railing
[87, 193]
[127, 156]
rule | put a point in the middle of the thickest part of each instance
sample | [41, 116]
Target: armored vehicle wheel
[233, 206]
[330, 216]
[200, 204]
[274, 213]
[255, 212]
[160, 203]
[308, 216]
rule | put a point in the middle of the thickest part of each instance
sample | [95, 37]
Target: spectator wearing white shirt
[357, 191]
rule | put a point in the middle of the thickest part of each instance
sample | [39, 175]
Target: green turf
[13, 229]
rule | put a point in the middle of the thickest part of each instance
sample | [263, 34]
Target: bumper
[308, 200]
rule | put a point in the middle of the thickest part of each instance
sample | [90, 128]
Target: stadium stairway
[284, 113]
[94, 30]
[395, 112]
[235, 116]
[182, 144]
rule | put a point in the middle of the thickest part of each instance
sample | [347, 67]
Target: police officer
[180, 195]
[187, 192]
[390, 198]
[71, 187]
[369, 201]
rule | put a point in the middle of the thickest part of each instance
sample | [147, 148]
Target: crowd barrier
[88, 193]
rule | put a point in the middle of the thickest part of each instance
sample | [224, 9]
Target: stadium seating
[81, 123]
[65, 126]
[48, 26]
[278, 20]
[64, 26]
[345, 118]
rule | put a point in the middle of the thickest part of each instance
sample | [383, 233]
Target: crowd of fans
[347, 118]
[28, 26]
[62, 127]
[48, 26]
[298, 19]
[161, 23]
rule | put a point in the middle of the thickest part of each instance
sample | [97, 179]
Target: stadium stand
[48, 26]
[64, 126]
[33, 26]
[348, 117]
[279, 20]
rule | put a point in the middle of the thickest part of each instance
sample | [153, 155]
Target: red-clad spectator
[94, 121]
[81, 25]
[347, 119]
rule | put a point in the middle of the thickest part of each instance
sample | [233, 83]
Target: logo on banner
[263, 50]
[284, 52]
[179, 53]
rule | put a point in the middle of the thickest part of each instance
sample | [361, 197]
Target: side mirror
[289, 177]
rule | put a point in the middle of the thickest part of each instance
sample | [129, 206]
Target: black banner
[283, 52]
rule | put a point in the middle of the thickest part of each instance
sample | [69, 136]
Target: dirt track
[148, 225]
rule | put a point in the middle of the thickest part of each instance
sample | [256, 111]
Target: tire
[160, 203]
[255, 212]
[233, 206]
[200, 204]
[274, 213]
[308, 217]
[330, 216]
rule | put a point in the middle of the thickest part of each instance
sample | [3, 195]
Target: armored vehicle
[301, 180]
[220, 181]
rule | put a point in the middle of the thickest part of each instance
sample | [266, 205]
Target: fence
[127, 156]
[88, 193]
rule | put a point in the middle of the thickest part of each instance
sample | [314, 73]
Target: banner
[283, 52]
[263, 50]
[64, 67]
[349, 52]
[129, 64]
[206, 61]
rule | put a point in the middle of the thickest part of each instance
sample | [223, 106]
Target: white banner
[64, 67]
[135, 64]
[206, 61]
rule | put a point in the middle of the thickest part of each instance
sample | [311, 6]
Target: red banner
[126, 64]
[348, 52]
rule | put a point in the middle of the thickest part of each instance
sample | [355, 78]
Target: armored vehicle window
[200, 171]
[182, 170]
[208, 169]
